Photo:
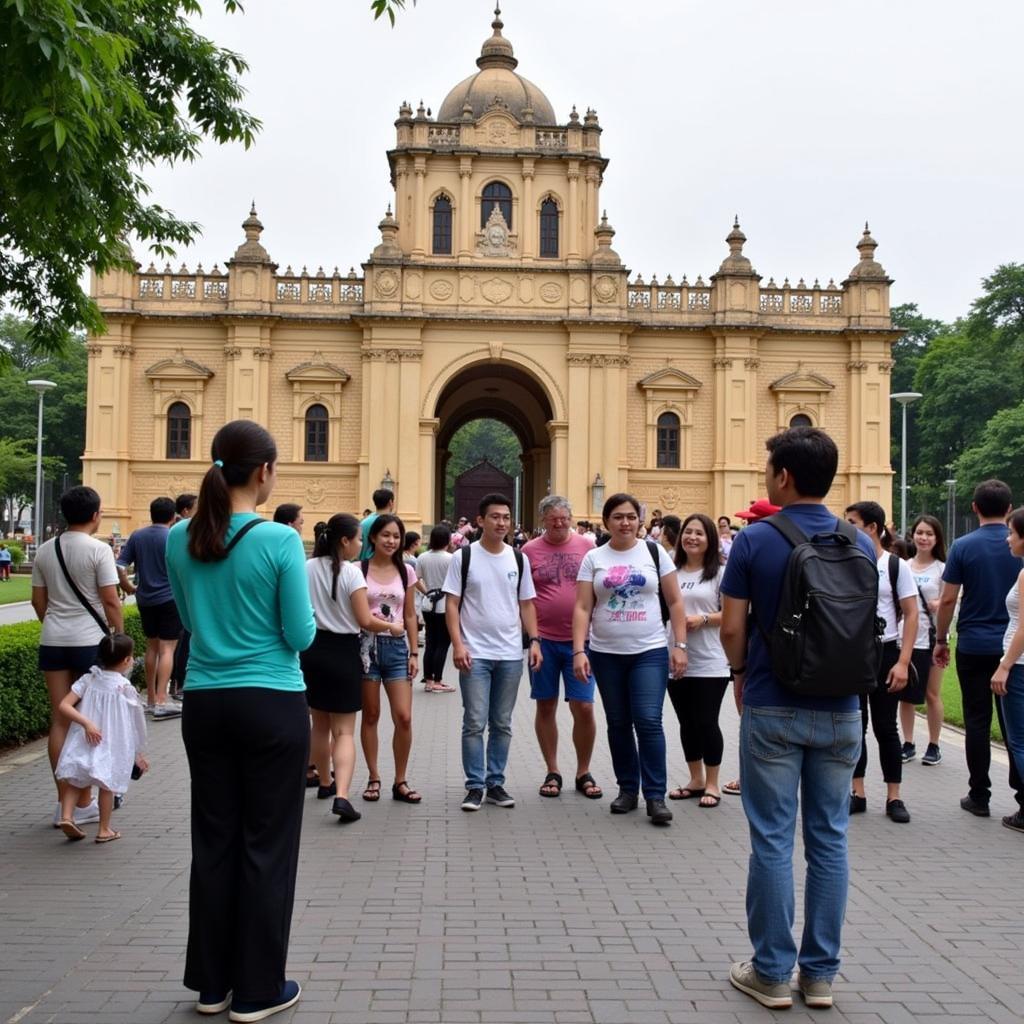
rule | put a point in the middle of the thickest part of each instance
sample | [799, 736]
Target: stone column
[558, 433]
[572, 249]
[466, 212]
[528, 216]
[869, 472]
[738, 461]
[590, 212]
[419, 213]
[428, 483]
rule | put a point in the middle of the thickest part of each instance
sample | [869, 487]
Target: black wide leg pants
[247, 750]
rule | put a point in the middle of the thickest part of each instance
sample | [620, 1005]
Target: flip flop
[685, 794]
[587, 785]
[108, 839]
[70, 829]
[714, 797]
[551, 780]
[732, 788]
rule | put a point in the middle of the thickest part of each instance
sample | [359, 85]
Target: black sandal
[312, 777]
[552, 779]
[410, 796]
[587, 785]
[372, 792]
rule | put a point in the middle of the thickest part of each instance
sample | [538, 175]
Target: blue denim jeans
[791, 756]
[489, 691]
[1013, 716]
[632, 688]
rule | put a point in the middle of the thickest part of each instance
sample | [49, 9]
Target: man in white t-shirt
[486, 622]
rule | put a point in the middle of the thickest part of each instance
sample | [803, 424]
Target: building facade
[494, 291]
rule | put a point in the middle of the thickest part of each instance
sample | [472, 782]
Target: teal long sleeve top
[250, 614]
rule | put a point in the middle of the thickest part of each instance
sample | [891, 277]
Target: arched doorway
[510, 395]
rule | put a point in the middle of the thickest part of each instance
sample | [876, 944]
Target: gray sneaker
[817, 992]
[162, 711]
[774, 995]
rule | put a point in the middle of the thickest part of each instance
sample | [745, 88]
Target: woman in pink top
[390, 590]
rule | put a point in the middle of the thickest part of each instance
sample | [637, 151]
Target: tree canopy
[478, 440]
[92, 92]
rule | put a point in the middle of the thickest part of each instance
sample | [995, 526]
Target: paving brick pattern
[551, 913]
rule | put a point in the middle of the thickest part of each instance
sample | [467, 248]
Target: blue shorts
[389, 659]
[558, 662]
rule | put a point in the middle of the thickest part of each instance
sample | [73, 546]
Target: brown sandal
[372, 792]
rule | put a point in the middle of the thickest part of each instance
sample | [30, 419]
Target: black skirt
[333, 672]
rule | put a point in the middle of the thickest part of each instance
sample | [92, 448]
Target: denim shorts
[558, 663]
[389, 659]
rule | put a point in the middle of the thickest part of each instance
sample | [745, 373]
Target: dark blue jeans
[632, 688]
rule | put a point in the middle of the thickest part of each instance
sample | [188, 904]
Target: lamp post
[904, 398]
[951, 511]
[597, 493]
[388, 482]
[40, 387]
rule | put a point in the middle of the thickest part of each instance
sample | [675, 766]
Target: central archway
[509, 394]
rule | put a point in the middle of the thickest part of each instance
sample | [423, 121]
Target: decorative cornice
[752, 363]
[721, 363]
[590, 359]
[262, 353]
[232, 351]
[124, 350]
[392, 355]
[94, 350]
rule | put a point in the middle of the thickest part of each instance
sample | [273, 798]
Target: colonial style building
[494, 291]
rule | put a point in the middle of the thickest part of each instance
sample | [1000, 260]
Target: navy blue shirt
[754, 573]
[146, 549]
[982, 564]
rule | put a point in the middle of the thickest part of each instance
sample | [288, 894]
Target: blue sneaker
[289, 996]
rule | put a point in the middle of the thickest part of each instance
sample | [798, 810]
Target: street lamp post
[904, 398]
[951, 510]
[40, 387]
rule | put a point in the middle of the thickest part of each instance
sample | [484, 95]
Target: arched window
[496, 193]
[549, 228]
[316, 434]
[801, 420]
[179, 431]
[442, 226]
[668, 441]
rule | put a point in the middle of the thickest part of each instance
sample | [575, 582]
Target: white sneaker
[82, 815]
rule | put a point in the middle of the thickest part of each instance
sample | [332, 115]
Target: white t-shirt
[930, 582]
[705, 656]
[905, 587]
[91, 565]
[1013, 610]
[489, 617]
[334, 615]
[627, 614]
[432, 568]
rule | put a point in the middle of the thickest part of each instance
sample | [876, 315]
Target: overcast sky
[805, 117]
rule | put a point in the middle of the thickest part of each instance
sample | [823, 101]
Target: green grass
[18, 588]
[951, 701]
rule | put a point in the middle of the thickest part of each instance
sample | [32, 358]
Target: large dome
[496, 84]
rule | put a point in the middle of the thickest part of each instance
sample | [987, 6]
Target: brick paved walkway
[552, 913]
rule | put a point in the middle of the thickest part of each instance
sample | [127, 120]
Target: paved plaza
[551, 913]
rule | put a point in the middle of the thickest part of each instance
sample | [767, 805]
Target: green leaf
[60, 134]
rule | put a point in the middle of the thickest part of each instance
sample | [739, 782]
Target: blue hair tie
[218, 463]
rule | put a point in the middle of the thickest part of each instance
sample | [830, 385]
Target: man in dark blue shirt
[794, 750]
[146, 549]
[982, 565]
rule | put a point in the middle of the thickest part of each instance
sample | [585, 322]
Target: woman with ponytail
[897, 600]
[241, 589]
[332, 667]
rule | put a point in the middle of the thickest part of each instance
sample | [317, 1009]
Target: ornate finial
[868, 266]
[251, 251]
[736, 262]
[574, 117]
[497, 50]
[389, 247]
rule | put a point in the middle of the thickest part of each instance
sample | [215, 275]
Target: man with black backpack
[810, 581]
[490, 617]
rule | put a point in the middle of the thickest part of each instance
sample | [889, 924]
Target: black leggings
[697, 702]
[884, 707]
[435, 650]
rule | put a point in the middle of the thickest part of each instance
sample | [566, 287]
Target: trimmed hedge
[24, 703]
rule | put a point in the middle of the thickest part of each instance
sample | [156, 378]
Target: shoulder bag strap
[464, 554]
[83, 600]
[519, 565]
[241, 533]
[652, 550]
[894, 577]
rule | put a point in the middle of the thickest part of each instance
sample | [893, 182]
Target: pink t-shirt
[387, 599]
[554, 568]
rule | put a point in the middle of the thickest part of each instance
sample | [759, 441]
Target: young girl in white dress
[107, 737]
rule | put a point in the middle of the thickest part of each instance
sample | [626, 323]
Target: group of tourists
[284, 652]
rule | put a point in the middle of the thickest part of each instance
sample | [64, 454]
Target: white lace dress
[112, 703]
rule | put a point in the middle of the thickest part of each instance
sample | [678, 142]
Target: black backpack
[827, 637]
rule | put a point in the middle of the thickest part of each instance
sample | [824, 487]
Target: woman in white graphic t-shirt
[926, 567]
[619, 589]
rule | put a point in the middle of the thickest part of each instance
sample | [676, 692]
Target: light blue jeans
[489, 691]
[1013, 716]
[790, 757]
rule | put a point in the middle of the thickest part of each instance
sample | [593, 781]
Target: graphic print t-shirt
[627, 614]
[555, 568]
[387, 600]
[929, 581]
